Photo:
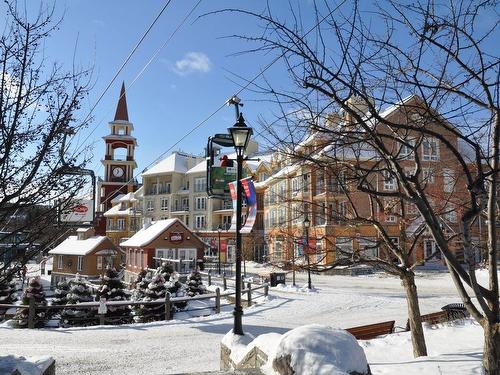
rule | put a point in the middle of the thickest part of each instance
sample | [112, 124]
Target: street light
[240, 133]
[219, 229]
[307, 224]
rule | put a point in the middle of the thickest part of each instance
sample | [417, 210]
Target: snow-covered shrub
[34, 290]
[155, 290]
[113, 289]
[61, 293]
[320, 350]
[195, 284]
[79, 291]
[8, 294]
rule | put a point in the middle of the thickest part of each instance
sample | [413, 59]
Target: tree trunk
[417, 332]
[491, 352]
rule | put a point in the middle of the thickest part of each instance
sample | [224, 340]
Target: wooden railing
[167, 302]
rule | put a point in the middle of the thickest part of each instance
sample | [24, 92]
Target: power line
[123, 65]
[201, 123]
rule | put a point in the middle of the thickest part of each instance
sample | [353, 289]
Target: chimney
[146, 223]
[359, 105]
[84, 233]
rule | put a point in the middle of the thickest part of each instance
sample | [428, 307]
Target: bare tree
[444, 54]
[38, 104]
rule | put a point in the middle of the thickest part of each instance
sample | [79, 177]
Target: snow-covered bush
[320, 350]
[79, 291]
[61, 293]
[195, 284]
[113, 289]
[8, 294]
[34, 290]
[155, 290]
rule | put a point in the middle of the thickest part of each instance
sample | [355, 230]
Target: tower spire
[121, 108]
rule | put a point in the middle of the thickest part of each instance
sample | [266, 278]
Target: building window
[120, 224]
[141, 259]
[389, 181]
[200, 184]
[428, 175]
[263, 176]
[99, 262]
[390, 210]
[448, 180]
[406, 151]
[343, 247]
[430, 149]
[278, 250]
[368, 246]
[200, 221]
[60, 263]
[201, 203]
[296, 185]
[451, 215]
[149, 205]
[79, 263]
[164, 204]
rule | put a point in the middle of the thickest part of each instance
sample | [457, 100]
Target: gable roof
[151, 233]
[73, 246]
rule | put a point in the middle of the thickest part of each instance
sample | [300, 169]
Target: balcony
[180, 208]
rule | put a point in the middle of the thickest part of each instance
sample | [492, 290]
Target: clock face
[118, 172]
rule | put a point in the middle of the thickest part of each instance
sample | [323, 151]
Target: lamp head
[306, 222]
[241, 134]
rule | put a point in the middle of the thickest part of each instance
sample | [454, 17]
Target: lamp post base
[238, 326]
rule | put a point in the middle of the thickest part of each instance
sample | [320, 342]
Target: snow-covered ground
[193, 344]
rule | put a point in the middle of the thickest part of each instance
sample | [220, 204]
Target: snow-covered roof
[200, 167]
[116, 211]
[174, 163]
[117, 198]
[129, 197]
[389, 110]
[73, 246]
[146, 235]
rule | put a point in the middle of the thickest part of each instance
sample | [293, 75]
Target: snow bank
[295, 289]
[31, 366]
[319, 349]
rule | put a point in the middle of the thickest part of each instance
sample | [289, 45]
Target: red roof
[121, 108]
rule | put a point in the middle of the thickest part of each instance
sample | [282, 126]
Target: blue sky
[187, 81]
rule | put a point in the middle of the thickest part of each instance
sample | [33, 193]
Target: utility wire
[123, 65]
[202, 122]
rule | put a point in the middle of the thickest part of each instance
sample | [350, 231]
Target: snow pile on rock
[31, 366]
[308, 350]
[319, 349]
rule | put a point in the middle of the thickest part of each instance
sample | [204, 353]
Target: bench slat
[370, 331]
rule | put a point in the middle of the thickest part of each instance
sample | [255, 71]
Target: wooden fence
[167, 302]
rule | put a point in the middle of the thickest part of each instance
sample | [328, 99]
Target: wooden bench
[432, 318]
[371, 331]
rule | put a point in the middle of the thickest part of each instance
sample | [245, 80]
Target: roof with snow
[73, 246]
[198, 168]
[149, 234]
[174, 163]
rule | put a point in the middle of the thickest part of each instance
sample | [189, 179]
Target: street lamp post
[219, 229]
[240, 134]
[307, 224]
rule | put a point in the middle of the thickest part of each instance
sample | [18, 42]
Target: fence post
[168, 307]
[266, 290]
[209, 277]
[249, 294]
[217, 300]
[31, 313]
[224, 281]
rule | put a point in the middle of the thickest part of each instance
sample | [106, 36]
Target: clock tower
[119, 163]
